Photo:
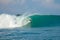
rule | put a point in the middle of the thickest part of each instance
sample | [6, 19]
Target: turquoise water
[45, 20]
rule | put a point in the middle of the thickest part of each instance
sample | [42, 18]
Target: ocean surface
[42, 27]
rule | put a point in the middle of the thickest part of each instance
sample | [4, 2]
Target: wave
[45, 20]
[28, 20]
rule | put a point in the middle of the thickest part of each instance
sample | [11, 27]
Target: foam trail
[12, 21]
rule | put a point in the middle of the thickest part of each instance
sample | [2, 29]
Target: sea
[42, 27]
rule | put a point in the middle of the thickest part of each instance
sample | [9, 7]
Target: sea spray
[13, 21]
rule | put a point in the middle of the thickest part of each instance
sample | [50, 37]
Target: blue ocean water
[43, 27]
[51, 33]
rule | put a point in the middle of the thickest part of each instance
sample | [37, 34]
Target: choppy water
[48, 33]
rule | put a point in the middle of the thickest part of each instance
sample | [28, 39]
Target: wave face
[45, 20]
[13, 21]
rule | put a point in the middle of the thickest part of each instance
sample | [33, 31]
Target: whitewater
[13, 21]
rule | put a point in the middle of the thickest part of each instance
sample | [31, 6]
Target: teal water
[45, 20]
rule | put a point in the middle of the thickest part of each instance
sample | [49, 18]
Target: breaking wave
[12, 21]
[28, 20]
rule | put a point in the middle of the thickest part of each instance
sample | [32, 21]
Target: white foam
[12, 21]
